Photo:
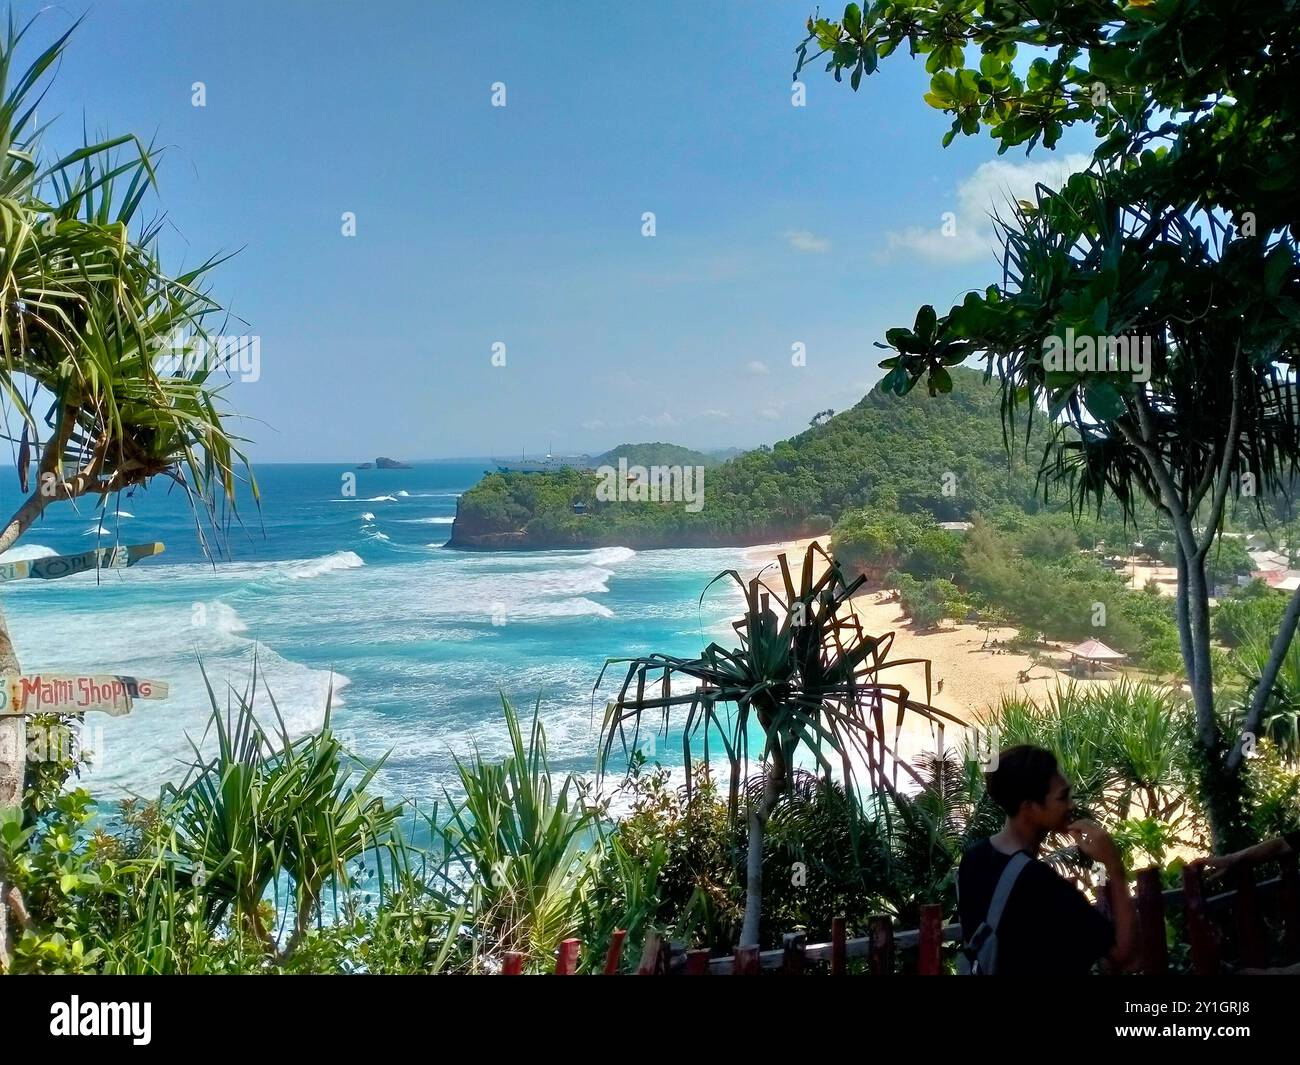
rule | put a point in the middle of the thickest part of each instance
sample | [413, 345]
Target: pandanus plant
[810, 679]
[87, 311]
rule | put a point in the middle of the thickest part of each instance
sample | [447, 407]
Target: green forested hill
[940, 455]
[656, 454]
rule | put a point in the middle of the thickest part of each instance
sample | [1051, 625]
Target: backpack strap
[1006, 882]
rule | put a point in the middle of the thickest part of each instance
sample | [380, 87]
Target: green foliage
[230, 871]
[523, 848]
[1178, 245]
[928, 602]
[884, 454]
[674, 861]
[1250, 613]
[1228, 560]
[1126, 750]
[868, 539]
[524, 860]
[1010, 571]
[1281, 721]
[656, 454]
[811, 683]
[262, 808]
[1122, 69]
[85, 300]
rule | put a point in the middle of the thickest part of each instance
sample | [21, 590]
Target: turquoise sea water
[417, 640]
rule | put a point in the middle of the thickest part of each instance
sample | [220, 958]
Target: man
[1046, 926]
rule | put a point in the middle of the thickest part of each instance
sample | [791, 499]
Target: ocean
[354, 594]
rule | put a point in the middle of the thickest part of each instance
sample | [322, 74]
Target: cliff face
[465, 538]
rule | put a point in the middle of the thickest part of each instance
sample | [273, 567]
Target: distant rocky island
[382, 463]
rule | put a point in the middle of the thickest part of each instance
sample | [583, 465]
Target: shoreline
[974, 673]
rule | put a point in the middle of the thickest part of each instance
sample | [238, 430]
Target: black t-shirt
[1048, 925]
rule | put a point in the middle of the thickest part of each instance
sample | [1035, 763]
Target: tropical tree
[1178, 245]
[84, 303]
[810, 681]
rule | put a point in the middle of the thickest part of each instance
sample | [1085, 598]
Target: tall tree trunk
[773, 783]
[1220, 782]
[1182, 617]
[13, 767]
[1200, 673]
[1264, 689]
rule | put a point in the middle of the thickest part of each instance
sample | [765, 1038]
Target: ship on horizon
[548, 464]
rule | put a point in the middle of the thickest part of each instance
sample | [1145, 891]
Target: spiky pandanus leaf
[812, 680]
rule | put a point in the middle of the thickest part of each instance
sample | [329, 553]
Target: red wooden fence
[1208, 933]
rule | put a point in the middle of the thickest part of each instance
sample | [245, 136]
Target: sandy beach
[975, 674]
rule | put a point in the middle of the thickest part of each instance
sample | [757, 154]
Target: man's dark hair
[1024, 774]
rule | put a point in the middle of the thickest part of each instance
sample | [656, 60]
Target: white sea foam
[609, 556]
[368, 516]
[225, 619]
[27, 551]
[436, 520]
[372, 499]
[318, 567]
[403, 492]
[160, 639]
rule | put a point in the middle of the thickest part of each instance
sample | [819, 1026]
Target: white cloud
[992, 188]
[663, 420]
[713, 412]
[758, 369]
[802, 240]
[770, 414]
[596, 423]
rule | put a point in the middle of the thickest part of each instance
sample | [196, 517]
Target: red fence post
[1290, 905]
[697, 963]
[1250, 938]
[929, 958]
[794, 962]
[615, 952]
[746, 962]
[881, 929]
[513, 965]
[566, 961]
[1200, 935]
[839, 947]
[1152, 944]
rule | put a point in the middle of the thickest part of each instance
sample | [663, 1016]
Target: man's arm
[1267, 851]
[1124, 914]
[1095, 842]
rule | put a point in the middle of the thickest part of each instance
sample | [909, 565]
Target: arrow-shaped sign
[72, 693]
[55, 566]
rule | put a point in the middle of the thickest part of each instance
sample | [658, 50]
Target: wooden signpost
[73, 693]
[56, 566]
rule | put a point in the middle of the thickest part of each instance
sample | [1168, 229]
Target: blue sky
[522, 225]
